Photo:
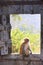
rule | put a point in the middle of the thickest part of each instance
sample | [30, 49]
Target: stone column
[41, 33]
[5, 39]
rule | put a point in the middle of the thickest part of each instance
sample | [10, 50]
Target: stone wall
[5, 39]
[22, 9]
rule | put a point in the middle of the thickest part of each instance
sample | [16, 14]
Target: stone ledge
[33, 57]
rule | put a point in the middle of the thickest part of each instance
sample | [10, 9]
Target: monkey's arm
[29, 49]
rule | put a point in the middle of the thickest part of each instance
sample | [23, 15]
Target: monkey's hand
[31, 52]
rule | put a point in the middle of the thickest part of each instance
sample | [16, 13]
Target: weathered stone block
[1, 27]
[4, 36]
[2, 43]
[4, 50]
[27, 9]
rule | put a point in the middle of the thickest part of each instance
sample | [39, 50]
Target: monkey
[25, 48]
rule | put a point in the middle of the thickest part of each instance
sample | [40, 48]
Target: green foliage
[17, 37]
[17, 17]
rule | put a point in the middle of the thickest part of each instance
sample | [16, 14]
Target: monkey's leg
[29, 62]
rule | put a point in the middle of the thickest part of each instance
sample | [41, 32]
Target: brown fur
[26, 46]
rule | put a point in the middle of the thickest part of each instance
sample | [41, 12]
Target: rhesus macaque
[25, 48]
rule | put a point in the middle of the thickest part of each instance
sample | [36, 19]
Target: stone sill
[33, 57]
